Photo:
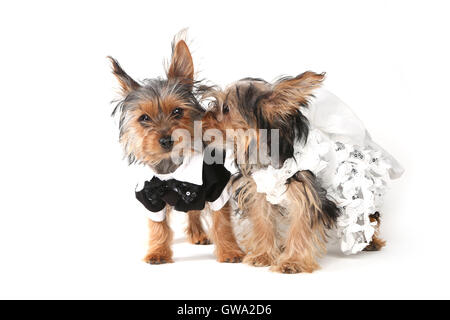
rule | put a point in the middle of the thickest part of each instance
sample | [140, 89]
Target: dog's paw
[287, 267]
[156, 258]
[262, 260]
[375, 245]
[231, 257]
[200, 239]
[291, 267]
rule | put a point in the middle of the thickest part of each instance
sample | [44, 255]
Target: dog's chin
[167, 161]
[166, 165]
[163, 163]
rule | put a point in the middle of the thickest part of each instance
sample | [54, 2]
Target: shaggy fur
[149, 113]
[257, 104]
[194, 229]
[262, 243]
[222, 234]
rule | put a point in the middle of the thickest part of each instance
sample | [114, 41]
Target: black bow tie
[157, 190]
[184, 196]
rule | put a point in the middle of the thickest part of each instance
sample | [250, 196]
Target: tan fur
[216, 119]
[182, 66]
[194, 230]
[127, 84]
[143, 142]
[261, 242]
[140, 138]
[160, 240]
[288, 95]
[306, 237]
[291, 93]
[222, 235]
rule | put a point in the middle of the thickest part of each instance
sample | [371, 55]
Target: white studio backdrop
[67, 228]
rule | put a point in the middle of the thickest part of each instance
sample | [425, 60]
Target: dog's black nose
[166, 142]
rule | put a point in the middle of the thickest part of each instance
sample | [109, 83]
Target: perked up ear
[296, 90]
[181, 65]
[126, 82]
[281, 109]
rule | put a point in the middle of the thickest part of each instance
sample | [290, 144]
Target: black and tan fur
[149, 112]
[257, 104]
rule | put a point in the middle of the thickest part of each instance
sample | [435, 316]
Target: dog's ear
[297, 90]
[281, 109]
[181, 65]
[127, 84]
[288, 95]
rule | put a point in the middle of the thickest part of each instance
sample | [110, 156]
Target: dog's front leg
[261, 242]
[227, 249]
[194, 229]
[160, 240]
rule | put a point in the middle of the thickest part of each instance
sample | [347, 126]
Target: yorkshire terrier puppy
[256, 104]
[150, 112]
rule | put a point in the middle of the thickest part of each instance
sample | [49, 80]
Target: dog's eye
[225, 109]
[177, 113]
[144, 118]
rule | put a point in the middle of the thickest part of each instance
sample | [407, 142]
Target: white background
[68, 228]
